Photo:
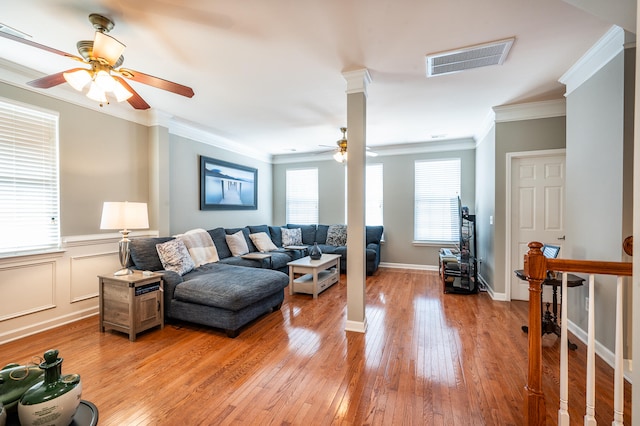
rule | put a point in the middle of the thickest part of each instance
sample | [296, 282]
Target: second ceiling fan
[341, 152]
[105, 77]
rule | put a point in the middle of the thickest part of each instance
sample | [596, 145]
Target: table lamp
[124, 216]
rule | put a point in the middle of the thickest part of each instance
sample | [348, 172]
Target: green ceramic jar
[53, 401]
[15, 380]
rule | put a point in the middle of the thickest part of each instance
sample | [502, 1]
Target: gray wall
[599, 184]
[516, 136]
[184, 187]
[398, 172]
[102, 158]
[486, 205]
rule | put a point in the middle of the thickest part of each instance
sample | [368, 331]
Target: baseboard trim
[601, 350]
[47, 325]
[356, 326]
[408, 266]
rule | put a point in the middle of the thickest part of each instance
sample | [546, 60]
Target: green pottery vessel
[3, 415]
[53, 401]
[15, 379]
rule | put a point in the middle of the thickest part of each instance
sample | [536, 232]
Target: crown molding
[530, 110]
[610, 44]
[488, 123]
[196, 133]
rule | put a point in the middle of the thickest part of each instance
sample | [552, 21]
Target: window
[302, 196]
[374, 194]
[437, 186]
[29, 193]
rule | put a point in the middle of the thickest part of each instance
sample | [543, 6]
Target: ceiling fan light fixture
[96, 93]
[78, 79]
[107, 48]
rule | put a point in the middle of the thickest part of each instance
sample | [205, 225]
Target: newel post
[535, 270]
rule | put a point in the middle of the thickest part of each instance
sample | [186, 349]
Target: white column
[357, 82]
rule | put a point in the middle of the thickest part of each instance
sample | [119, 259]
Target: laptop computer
[550, 251]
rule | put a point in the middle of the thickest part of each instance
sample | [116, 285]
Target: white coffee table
[317, 275]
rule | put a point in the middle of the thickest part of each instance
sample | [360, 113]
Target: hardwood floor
[427, 358]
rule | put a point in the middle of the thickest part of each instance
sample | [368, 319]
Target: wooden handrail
[590, 267]
[536, 266]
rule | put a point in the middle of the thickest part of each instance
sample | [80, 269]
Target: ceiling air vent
[480, 55]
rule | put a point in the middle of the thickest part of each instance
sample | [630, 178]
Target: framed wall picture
[227, 186]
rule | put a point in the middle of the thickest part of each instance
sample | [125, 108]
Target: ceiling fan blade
[51, 80]
[38, 45]
[136, 100]
[157, 82]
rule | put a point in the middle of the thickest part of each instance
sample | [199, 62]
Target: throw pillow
[175, 256]
[263, 242]
[237, 244]
[200, 246]
[337, 235]
[291, 237]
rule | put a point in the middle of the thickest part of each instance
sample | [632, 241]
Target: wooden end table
[317, 275]
[131, 303]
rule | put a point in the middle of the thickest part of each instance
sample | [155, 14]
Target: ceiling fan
[340, 154]
[105, 75]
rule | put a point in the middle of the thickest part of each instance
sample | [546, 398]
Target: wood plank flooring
[427, 358]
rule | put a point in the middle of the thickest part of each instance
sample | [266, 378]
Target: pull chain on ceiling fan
[105, 77]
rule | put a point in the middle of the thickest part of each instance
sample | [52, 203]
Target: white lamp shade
[124, 215]
[105, 81]
[96, 93]
[107, 48]
[120, 92]
[340, 156]
[77, 79]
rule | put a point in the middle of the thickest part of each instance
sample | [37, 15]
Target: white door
[537, 210]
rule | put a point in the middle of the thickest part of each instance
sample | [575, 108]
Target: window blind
[29, 190]
[437, 186]
[302, 196]
[374, 194]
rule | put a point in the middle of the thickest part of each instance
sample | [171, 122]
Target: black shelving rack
[459, 273]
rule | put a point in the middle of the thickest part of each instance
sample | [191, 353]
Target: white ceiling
[268, 74]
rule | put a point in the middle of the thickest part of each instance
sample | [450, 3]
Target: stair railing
[536, 266]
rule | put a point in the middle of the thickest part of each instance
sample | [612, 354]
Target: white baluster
[589, 417]
[618, 381]
[563, 411]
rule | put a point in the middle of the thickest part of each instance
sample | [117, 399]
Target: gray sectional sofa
[234, 291]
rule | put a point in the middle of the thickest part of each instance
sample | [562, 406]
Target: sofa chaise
[214, 294]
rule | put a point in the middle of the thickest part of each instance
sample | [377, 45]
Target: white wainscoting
[42, 291]
[83, 269]
[27, 289]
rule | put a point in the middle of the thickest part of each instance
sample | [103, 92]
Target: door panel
[537, 209]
